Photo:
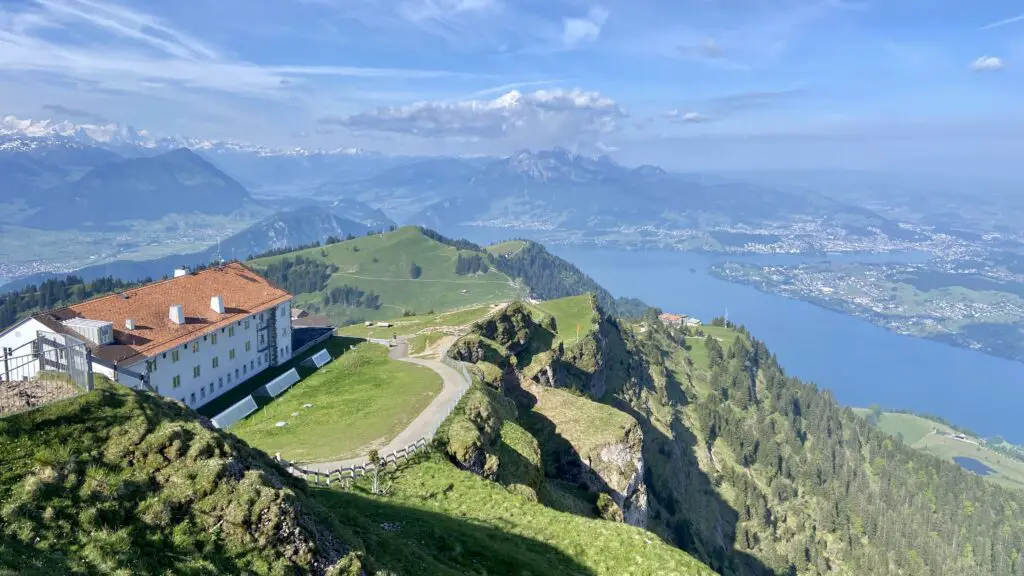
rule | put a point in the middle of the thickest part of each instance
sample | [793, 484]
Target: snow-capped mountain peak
[30, 133]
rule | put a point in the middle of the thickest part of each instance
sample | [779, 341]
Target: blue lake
[973, 465]
[862, 364]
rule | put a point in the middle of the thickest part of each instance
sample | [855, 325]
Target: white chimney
[217, 304]
[129, 324]
[177, 314]
[179, 272]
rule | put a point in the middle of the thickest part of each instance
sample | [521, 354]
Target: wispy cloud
[722, 107]
[987, 64]
[142, 53]
[74, 113]
[1001, 23]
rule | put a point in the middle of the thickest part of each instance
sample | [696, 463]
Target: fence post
[7, 367]
[88, 370]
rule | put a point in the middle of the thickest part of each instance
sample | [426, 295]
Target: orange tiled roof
[243, 291]
[670, 317]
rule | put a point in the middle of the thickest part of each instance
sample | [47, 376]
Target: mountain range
[558, 190]
[297, 227]
[73, 174]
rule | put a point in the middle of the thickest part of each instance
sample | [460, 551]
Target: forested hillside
[750, 470]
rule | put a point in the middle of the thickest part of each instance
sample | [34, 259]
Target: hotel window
[195, 346]
[151, 365]
[174, 355]
[229, 377]
[195, 372]
[176, 382]
[211, 387]
[236, 374]
[248, 345]
[231, 354]
[259, 360]
[252, 364]
[213, 338]
[220, 382]
[202, 393]
[193, 397]
[247, 324]
[216, 362]
[231, 331]
[243, 369]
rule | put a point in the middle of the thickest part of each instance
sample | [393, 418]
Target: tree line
[551, 277]
[472, 264]
[56, 293]
[298, 275]
[351, 297]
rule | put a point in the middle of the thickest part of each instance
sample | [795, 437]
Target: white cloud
[541, 118]
[987, 64]
[686, 117]
[577, 31]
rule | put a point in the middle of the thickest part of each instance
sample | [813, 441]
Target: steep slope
[126, 483]
[120, 482]
[751, 471]
[144, 188]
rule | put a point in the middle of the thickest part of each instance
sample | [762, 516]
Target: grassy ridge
[499, 533]
[125, 483]
[118, 482]
[382, 264]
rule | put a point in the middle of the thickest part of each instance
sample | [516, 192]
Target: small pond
[973, 465]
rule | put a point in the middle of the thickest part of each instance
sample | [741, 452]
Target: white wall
[16, 338]
[195, 391]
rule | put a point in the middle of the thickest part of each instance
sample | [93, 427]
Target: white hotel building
[192, 337]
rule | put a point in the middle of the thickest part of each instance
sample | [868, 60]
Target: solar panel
[322, 357]
[279, 384]
[240, 410]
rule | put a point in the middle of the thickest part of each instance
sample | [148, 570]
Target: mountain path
[453, 386]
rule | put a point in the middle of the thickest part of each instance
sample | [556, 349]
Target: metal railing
[53, 367]
[320, 477]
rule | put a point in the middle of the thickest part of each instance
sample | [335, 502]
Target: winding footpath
[454, 384]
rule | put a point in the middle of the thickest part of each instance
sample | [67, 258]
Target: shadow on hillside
[682, 496]
[560, 459]
[336, 345]
[405, 540]
[540, 341]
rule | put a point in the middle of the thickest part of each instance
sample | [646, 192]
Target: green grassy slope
[116, 482]
[125, 483]
[360, 401]
[937, 439]
[381, 264]
[500, 533]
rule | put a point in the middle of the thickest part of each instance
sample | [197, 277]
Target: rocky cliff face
[620, 466]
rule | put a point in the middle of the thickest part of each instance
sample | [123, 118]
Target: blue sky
[685, 83]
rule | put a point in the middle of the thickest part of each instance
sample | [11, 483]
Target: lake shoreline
[872, 318]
